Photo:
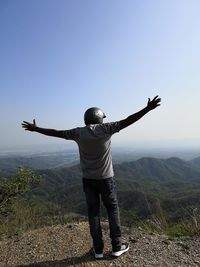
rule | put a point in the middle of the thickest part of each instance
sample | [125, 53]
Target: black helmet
[94, 116]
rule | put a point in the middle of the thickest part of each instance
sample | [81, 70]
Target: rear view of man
[94, 143]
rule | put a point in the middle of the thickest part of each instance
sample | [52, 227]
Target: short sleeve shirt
[94, 142]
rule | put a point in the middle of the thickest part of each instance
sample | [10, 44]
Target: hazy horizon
[139, 150]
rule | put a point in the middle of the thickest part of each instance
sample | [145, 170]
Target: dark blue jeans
[104, 188]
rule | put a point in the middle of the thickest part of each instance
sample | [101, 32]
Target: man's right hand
[29, 126]
[153, 103]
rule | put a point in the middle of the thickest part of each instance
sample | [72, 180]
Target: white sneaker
[124, 248]
[98, 256]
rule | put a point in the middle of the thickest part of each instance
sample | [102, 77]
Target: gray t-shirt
[94, 142]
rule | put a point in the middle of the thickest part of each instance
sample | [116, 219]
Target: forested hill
[161, 170]
[146, 186]
[164, 170]
[196, 161]
[9, 164]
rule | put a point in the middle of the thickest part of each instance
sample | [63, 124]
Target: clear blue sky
[59, 57]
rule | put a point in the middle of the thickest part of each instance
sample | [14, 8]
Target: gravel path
[70, 245]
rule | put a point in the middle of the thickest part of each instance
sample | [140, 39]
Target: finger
[25, 127]
[158, 100]
[149, 100]
[155, 98]
[34, 122]
[26, 122]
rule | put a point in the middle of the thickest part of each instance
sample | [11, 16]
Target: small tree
[13, 187]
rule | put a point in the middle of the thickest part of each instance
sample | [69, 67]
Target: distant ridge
[196, 161]
[162, 169]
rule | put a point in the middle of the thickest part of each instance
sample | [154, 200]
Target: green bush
[15, 213]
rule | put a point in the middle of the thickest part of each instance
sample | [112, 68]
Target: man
[94, 143]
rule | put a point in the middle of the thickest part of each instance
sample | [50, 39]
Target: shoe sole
[98, 257]
[119, 253]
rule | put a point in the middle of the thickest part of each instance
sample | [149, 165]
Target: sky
[60, 57]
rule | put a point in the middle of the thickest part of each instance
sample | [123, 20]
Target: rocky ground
[70, 245]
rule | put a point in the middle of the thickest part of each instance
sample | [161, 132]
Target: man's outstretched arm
[33, 128]
[152, 104]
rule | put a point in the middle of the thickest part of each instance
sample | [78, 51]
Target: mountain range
[147, 186]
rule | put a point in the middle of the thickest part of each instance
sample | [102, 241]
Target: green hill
[196, 162]
[146, 187]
